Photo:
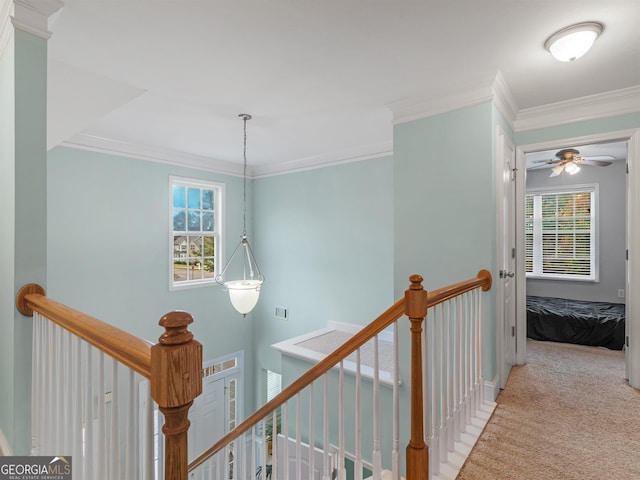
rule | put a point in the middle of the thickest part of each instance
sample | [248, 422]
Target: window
[560, 233]
[196, 210]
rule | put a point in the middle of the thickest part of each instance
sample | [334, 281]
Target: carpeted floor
[568, 414]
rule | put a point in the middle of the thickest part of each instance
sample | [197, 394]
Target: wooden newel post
[176, 380]
[417, 452]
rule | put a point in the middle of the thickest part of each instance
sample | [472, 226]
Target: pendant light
[243, 293]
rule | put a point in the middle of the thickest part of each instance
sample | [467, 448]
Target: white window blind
[274, 384]
[560, 233]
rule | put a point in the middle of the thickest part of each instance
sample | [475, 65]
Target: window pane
[179, 271]
[179, 220]
[178, 196]
[207, 199]
[208, 246]
[194, 198]
[209, 266]
[194, 221]
[207, 222]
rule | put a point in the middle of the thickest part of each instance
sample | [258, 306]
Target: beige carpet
[568, 414]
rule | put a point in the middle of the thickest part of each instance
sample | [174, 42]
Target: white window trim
[219, 227]
[595, 238]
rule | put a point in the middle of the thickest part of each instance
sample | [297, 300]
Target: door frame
[504, 141]
[633, 241]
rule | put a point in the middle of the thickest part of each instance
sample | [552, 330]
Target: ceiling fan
[569, 161]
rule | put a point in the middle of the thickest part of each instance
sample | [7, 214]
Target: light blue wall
[7, 237]
[23, 213]
[324, 241]
[108, 250]
[444, 205]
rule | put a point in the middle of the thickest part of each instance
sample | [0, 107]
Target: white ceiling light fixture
[573, 42]
[244, 293]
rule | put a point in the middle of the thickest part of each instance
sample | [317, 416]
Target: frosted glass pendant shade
[573, 42]
[244, 294]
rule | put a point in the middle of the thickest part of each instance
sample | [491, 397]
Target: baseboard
[491, 389]
[455, 460]
[5, 449]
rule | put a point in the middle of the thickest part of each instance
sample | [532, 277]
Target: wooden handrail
[132, 351]
[173, 365]
[483, 280]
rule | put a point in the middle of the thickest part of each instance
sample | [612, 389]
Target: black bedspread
[576, 321]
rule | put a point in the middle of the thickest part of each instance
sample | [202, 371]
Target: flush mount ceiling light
[244, 293]
[573, 42]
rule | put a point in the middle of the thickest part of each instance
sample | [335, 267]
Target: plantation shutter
[560, 234]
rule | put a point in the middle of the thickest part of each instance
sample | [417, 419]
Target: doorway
[632, 138]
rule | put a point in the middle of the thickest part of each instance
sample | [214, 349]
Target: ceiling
[318, 76]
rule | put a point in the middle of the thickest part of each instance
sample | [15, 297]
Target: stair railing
[318, 442]
[94, 388]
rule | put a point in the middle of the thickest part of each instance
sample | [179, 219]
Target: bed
[576, 321]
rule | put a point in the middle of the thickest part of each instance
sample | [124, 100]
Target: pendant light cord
[245, 117]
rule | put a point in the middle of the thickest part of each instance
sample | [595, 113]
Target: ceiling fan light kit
[569, 161]
[573, 42]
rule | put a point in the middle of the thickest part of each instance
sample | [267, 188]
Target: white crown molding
[484, 90]
[617, 102]
[32, 16]
[410, 109]
[504, 100]
[94, 143]
[6, 10]
[319, 161]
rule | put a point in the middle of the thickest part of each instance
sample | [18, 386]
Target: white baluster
[265, 448]
[131, 444]
[36, 379]
[87, 413]
[395, 452]
[325, 429]
[342, 473]
[376, 456]
[358, 430]
[253, 449]
[148, 442]
[274, 447]
[77, 404]
[480, 317]
[431, 399]
[285, 430]
[312, 437]
[442, 389]
[101, 427]
[450, 320]
[298, 434]
[114, 434]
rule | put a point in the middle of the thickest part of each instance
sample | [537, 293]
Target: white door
[506, 255]
[207, 416]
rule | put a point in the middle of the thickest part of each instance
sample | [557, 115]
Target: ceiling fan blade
[557, 170]
[598, 163]
[600, 157]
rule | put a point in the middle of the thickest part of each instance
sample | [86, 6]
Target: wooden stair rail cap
[21, 298]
